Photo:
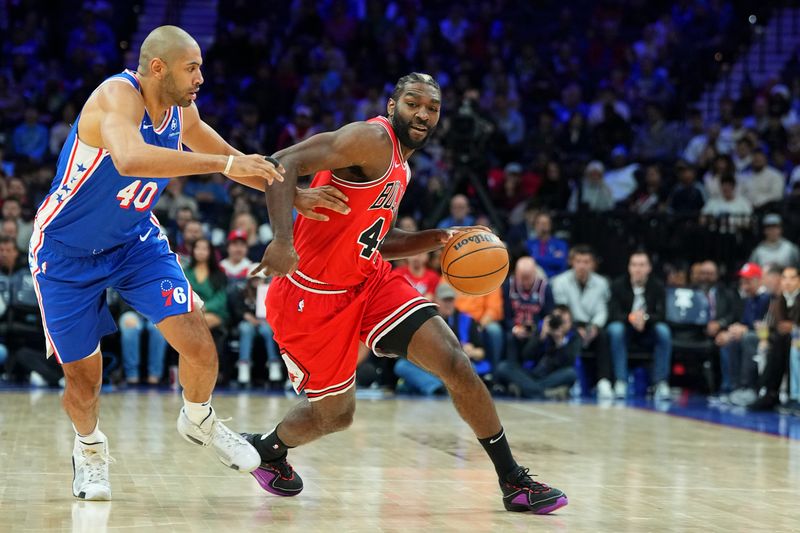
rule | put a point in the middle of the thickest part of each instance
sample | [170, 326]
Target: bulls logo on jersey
[389, 197]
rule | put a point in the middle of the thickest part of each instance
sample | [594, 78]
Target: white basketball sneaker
[230, 447]
[90, 470]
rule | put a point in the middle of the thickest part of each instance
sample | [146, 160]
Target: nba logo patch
[174, 124]
[301, 305]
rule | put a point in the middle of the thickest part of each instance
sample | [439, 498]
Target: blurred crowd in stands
[642, 229]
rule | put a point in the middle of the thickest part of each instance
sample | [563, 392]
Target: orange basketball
[475, 262]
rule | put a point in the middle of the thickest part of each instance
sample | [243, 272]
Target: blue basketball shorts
[71, 288]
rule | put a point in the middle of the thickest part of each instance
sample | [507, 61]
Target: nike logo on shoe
[145, 236]
[492, 441]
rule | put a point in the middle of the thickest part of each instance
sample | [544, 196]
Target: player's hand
[280, 259]
[327, 197]
[448, 233]
[255, 165]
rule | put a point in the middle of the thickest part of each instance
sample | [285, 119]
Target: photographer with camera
[546, 367]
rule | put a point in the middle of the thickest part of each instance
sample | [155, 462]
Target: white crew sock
[95, 437]
[197, 412]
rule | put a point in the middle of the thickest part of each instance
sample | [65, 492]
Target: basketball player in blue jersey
[96, 230]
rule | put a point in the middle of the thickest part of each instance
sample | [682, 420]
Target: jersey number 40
[141, 199]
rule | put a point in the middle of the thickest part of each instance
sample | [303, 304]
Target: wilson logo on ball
[480, 237]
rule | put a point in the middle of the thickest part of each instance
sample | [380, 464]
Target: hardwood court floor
[405, 465]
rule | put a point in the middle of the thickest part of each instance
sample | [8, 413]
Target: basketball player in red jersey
[338, 292]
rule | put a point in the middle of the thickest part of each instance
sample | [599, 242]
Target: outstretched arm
[120, 113]
[201, 138]
[356, 145]
[400, 244]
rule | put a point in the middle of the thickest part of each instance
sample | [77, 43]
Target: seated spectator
[209, 282]
[519, 234]
[30, 139]
[554, 192]
[9, 228]
[174, 199]
[621, 177]
[763, 184]
[527, 298]
[300, 129]
[546, 367]
[592, 194]
[417, 273]
[131, 327]
[688, 196]
[742, 157]
[722, 303]
[636, 316]
[11, 259]
[459, 213]
[549, 252]
[739, 343]
[244, 314]
[508, 190]
[465, 329]
[774, 249]
[723, 166]
[729, 204]
[656, 139]
[651, 196]
[586, 294]
[237, 266]
[782, 318]
[192, 232]
[487, 311]
[256, 245]
[12, 210]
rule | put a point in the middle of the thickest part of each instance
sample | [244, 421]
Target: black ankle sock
[270, 447]
[500, 454]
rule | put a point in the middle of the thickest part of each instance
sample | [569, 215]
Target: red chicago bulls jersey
[344, 250]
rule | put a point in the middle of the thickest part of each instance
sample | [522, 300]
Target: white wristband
[229, 165]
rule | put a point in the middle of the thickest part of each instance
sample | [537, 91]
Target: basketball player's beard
[171, 88]
[401, 129]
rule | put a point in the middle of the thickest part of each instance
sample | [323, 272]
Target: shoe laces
[282, 466]
[524, 480]
[226, 436]
[95, 465]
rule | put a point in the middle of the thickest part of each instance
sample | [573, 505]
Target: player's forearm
[400, 244]
[280, 201]
[148, 161]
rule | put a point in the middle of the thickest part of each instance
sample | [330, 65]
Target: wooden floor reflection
[405, 465]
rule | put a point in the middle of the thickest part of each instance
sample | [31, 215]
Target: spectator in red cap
[739, 343]
[237, 266]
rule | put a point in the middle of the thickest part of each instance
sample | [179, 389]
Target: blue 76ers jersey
[91, 206]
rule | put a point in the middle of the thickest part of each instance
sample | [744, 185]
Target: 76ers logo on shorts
[170, 293]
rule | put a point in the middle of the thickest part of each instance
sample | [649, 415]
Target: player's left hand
[327, 196]
[448, 233]
[280, 259]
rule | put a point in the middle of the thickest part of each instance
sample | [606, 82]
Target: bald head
[165, 43]
[169, 65]
[525, 272]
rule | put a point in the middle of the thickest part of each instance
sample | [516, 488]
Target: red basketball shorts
[318, 326]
